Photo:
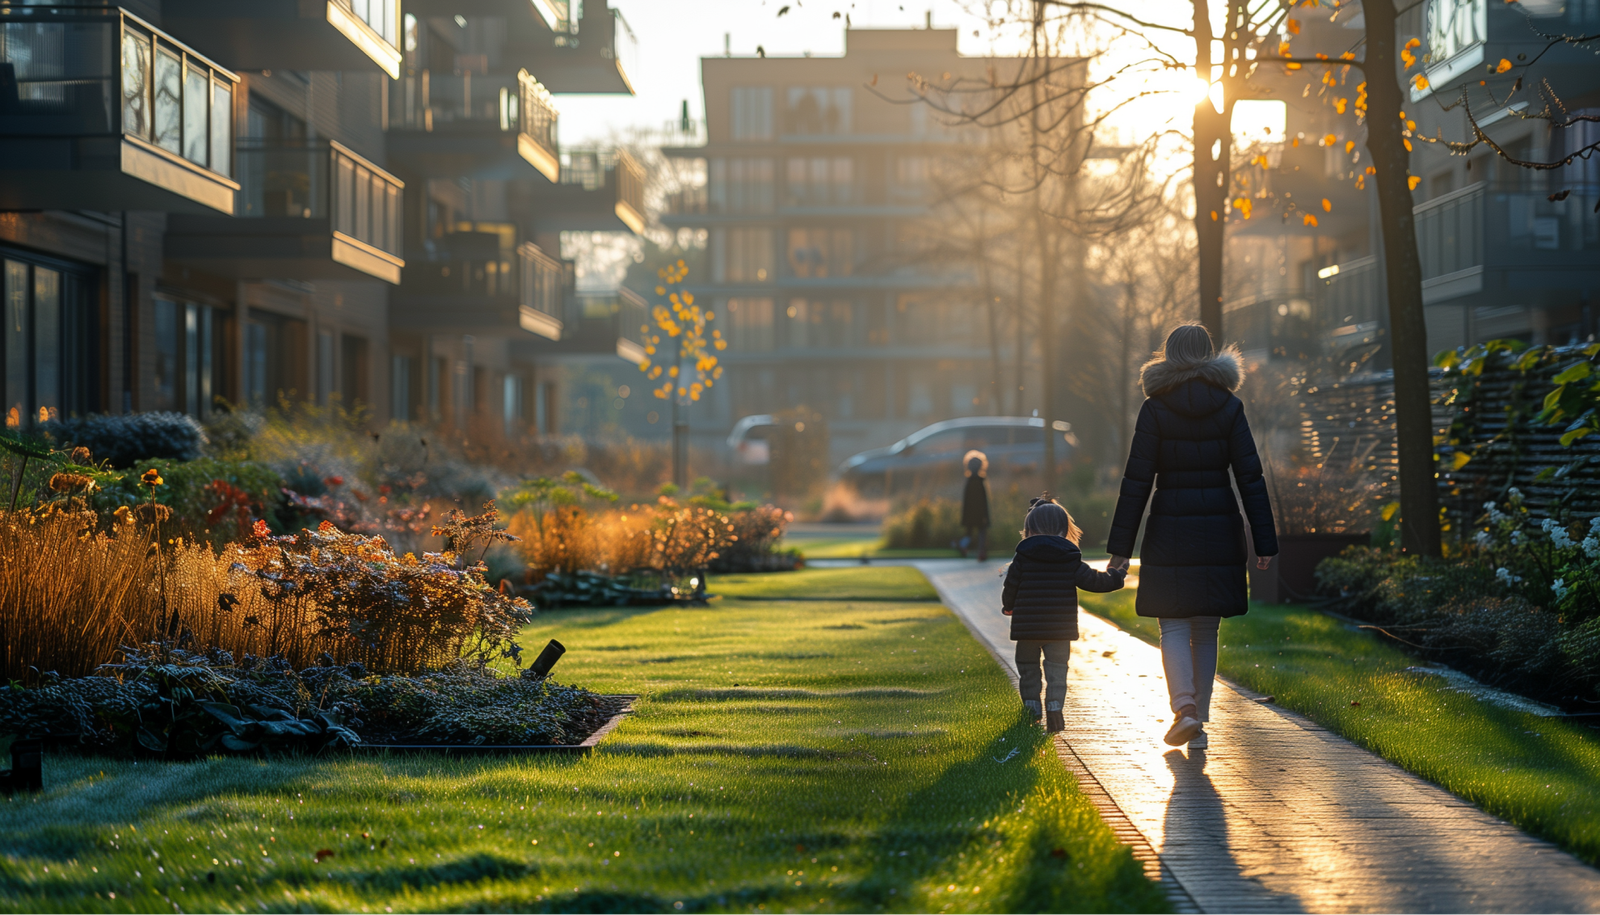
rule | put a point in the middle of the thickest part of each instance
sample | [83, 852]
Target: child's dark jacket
[1041, 589]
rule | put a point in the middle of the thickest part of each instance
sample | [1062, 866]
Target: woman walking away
[975, 504]
[1191, 432]
[1041, 597]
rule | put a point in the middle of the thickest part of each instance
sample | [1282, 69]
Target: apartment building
[819, 206]
[208, 201]
[1507, 252]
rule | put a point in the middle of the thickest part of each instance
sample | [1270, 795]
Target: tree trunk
[1408, 330]
[1211, 135]
[1047, 344]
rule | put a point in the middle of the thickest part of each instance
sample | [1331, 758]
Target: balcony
[599, 191]
[1465, 38]
[356, 35]
[99, 110]
[598, 324]
[307, 210]
[592, 53]
[473, 125]
[475, 287]
[1487, 241]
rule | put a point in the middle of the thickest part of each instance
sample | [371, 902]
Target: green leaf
[1531, 358]
[1574, 372]
[1448, 359]
[1576, 434]
[150, 740]
[1552, 401]
[23, 447]
[225, 713]
[238, 745]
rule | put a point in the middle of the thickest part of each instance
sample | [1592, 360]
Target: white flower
[1559, 586]
[1516, 538]
[1558, 534]
[1514, 494]
[1486, 539]
[1505, 577]
[1591, 546]
[1488, 506]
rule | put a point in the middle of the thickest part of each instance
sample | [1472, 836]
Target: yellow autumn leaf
[1339, 104]
[1419, 82]
[1327, 205]
[1459, 460]
[1308, 219]
[1502, 66]
[1413, 181]
[1213, 215]
[1283, 49]
[1349, 145]
[1294, 26]
[1329, 140]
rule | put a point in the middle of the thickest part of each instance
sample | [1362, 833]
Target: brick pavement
[1279, 815]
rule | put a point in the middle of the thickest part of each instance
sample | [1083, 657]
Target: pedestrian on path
[1041, 597]
[975, 505]
[1191, 431]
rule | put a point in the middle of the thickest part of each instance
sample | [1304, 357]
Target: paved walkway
[1279, 815]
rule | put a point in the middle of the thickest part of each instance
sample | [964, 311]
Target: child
[1041, 597]
[975, 504]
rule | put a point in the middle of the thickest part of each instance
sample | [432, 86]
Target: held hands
[1263, 562]
[1119, 563]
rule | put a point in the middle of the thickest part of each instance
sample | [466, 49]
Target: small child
[1041, 597]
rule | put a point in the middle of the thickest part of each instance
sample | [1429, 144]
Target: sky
[675, 34]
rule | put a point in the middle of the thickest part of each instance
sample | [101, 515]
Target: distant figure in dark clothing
[1041, 597]
[975, 504]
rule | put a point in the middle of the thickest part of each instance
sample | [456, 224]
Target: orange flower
[151, 477]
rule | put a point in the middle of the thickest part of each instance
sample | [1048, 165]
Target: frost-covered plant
[1544, 563]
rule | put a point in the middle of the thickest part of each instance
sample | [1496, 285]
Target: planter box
[467, 749]
[1292, 578]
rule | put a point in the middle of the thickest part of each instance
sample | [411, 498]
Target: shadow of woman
[1195, 843]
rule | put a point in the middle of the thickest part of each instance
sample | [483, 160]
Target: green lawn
[1543, 774]
[786, 755]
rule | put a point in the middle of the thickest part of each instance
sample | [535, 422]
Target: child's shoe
[1055, 722]
[1184, 726]
[1199, 741]
[1034, 709]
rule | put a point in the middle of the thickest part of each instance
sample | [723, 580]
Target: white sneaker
[1199, 741]
[1182, 731]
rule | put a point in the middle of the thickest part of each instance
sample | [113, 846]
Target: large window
[750, 325]
[741, 255]
[817, 110]
[817, 324]
[741, 185]
[816, 253]
[820, 181]
[188, 373]
[750, 112]
[47, 366]
[274, 357]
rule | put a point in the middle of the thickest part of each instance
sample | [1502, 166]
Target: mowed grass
[1540, 773]
[786, 754]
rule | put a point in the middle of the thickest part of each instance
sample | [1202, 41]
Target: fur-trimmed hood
[1224, 370]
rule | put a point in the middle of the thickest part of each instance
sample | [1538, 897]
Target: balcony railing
[1488, 225]
[595, 50]
[321, 179]
[597, 168]
[542, 286]
[99, 72]
[474, 104]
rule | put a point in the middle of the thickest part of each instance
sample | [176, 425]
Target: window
[816, 253]
[274, 357]
[325, 389]
[741, 185]
[820, 324]
[353, 369]
[400, 388]
[513, 402]
[741, 255]
[47, 366]
[820, 181]
[931, 323]
[750, 325]
[817, 110]
[750, 112]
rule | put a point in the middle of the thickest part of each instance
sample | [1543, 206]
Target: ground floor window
[274, 357]
[50, 333]
[189, 371]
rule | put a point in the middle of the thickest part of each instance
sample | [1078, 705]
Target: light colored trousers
[1189, 658]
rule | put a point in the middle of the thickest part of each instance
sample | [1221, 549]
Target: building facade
[818, 206]
[210, 202]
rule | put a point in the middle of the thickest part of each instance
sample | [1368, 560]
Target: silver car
[931, 456]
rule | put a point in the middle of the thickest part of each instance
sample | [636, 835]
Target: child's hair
[1048, 519]
[1188, 344]
[976, 463]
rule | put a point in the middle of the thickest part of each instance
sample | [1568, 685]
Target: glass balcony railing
[82, 72]
[597, 169]
[467, 103]
[382, 16]
[321, 179]
[1488, 225]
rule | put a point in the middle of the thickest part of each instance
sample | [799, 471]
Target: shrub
[174, 703]
[123, 440]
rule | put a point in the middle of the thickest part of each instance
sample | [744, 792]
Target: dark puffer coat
[1041, 589]
[975, 503]
[1191, 432]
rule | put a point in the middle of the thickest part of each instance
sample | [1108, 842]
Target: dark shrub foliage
[124, 440]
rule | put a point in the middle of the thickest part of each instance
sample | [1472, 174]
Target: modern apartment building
[247, 200]
[818, 205]
[1507, 252]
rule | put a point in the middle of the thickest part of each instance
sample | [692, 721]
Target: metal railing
[321, 179]
[100, 71]
[1511, 223]
[596, 168]
[430, 101]
[382, 15]
[542, 281]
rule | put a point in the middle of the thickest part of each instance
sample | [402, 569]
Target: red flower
[259, 529]
[334, 481]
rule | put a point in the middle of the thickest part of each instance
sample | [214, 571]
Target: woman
[1191, 432]
[975, 504]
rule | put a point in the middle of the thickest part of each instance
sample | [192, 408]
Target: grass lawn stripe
[1541, 774]
[785, 755]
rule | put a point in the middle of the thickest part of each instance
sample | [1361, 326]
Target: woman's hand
[1263, 562]
[1120, 562]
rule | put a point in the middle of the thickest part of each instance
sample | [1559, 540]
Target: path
[1279, 815]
